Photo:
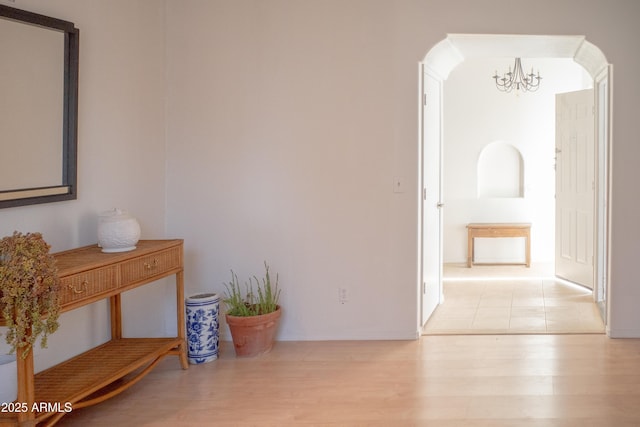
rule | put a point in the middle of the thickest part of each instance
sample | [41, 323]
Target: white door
[575, 187]
[431, 198]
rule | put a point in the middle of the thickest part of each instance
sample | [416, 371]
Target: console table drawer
[149, 266]
[87, 284]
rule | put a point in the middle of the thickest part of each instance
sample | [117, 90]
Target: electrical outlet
[343, 295]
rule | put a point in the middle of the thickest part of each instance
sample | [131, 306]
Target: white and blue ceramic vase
[203, 312]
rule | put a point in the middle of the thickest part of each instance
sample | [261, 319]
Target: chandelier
[517, 79]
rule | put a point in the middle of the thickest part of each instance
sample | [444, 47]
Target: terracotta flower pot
[253, 335]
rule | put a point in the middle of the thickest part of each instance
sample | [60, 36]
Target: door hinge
[424, 287]
[424, 194]
[424, 99]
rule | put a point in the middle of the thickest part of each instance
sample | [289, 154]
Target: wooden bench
[498, 230]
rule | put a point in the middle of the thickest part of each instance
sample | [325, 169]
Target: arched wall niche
[500, 171]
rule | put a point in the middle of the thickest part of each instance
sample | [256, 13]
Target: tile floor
[512, 300]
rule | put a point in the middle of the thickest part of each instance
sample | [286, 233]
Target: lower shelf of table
[86, 377]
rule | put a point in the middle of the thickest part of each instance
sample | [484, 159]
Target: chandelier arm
[517, 79]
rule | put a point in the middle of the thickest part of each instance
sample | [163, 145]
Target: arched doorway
[435, 69]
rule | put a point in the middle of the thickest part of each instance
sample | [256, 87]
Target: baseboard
[362, 336]
[623, 333]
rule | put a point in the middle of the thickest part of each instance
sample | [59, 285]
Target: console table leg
[182, 327]
[26, 388]
[116, 316]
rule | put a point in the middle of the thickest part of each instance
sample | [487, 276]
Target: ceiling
[450, 52]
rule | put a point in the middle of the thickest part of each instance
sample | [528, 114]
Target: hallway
[512, 300]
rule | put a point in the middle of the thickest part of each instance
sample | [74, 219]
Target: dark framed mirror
[38, 108]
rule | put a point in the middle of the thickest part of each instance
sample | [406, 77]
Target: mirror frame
[68, 189]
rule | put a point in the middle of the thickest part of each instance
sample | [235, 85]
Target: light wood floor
[442, 381]
[512, 299]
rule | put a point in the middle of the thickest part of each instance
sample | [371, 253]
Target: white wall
[287, 122]
[281, 148]
[476, 115]
[121, 154]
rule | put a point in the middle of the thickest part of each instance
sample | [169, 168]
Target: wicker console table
[87, 275]
[498, 230]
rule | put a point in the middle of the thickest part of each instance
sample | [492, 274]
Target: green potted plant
[29, 282]
[253, 314]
